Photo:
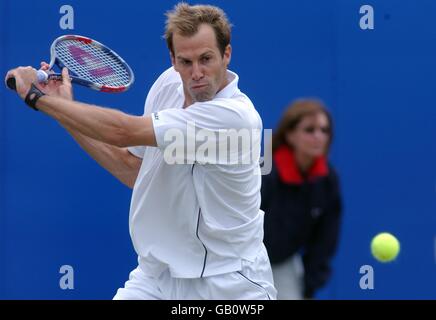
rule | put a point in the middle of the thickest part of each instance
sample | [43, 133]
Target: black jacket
[302, 215]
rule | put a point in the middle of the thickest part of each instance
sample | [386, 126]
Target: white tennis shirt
[200, 218]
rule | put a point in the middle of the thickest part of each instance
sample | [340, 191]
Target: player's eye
[185, 62]
[205, 59]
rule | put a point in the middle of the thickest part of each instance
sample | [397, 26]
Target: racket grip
[11, 84]
[42, 76]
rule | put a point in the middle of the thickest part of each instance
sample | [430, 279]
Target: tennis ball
[385, 247]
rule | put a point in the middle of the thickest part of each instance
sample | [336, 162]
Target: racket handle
[42, 76]
[11, 84]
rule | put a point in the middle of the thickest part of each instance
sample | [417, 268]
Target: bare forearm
[102, 132]
[106, 125]
[118, 161]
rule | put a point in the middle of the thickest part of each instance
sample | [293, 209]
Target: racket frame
[43, 76]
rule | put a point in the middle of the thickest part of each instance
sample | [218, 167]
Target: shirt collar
[228, 91]
[287, 168]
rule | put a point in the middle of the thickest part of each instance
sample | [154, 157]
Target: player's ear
[227, 54]
[173, 60]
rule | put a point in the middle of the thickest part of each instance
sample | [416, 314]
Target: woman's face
[311, 136]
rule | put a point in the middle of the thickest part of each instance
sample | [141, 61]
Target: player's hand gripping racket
[91, 64]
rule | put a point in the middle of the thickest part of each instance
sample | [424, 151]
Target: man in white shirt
[195, 218]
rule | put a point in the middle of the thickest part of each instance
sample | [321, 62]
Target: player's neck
[189, 101]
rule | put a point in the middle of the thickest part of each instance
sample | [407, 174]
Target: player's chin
[203, 96]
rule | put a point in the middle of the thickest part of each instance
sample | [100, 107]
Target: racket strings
[93, 63]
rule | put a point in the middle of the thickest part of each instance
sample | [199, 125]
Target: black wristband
[32, 96]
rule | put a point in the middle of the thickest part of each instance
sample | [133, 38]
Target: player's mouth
[199, 86]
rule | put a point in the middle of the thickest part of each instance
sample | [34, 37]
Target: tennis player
[197, 227]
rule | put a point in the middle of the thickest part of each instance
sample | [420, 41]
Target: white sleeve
[205, 131]
[139, 151]
[149, 107]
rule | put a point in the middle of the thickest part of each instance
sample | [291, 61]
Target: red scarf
[288, 170]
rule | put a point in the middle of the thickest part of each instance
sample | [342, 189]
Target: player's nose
[197, 73]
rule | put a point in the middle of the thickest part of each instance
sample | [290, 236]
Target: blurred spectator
[302, 201]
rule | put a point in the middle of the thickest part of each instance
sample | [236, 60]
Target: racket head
[91, 63]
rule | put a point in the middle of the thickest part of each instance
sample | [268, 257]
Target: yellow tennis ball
[385, 247]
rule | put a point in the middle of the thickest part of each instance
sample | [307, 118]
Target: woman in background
[302, 201]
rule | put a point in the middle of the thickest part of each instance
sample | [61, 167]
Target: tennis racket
[90, 63]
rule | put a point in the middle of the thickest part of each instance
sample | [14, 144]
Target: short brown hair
[293, 115]
[185, 20]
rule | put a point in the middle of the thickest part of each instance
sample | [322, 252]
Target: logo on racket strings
[86, 58]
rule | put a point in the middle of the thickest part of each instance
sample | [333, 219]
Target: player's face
[311, 136]
[200, 64]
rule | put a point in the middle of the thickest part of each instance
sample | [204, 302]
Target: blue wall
[58, 207]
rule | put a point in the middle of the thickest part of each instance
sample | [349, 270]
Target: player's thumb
[66, 76]
[45, 66]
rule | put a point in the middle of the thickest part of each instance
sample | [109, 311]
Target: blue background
[58, 207]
